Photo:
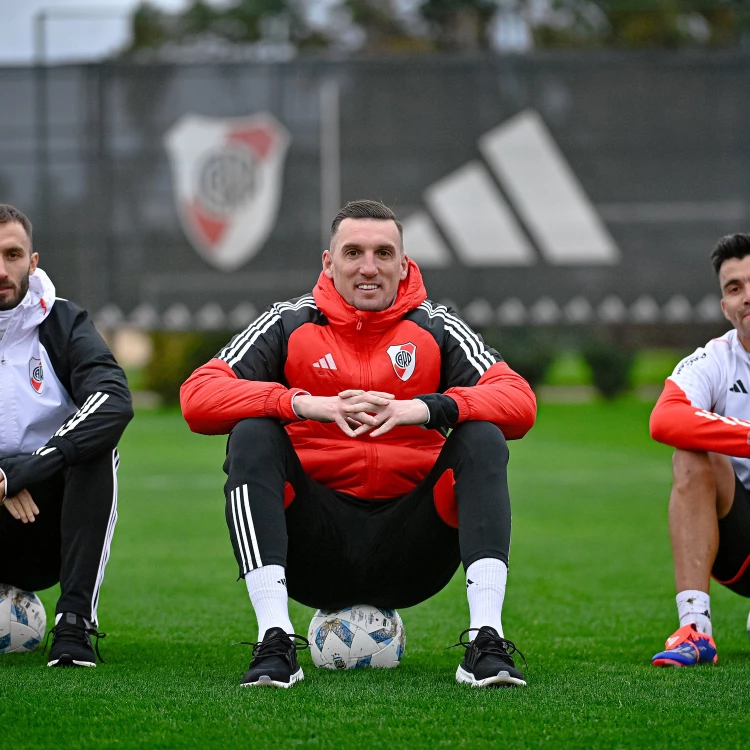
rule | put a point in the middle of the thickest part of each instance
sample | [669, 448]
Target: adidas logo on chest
[326, 363]
[738, 387]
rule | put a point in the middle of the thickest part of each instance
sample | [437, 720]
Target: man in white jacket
[704, 414]
[65, 403]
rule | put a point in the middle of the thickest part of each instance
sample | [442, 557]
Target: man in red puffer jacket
[343, 483]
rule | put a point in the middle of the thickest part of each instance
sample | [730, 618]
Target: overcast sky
[92, 29]
[75, 29]
[87, 29]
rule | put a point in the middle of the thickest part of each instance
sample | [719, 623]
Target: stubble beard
[16, 300]
[371, 306]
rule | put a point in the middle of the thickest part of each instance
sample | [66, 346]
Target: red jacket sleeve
[676, 422]
[501, 396]
[214, 399]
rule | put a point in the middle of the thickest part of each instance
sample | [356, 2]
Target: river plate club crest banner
[227, 176]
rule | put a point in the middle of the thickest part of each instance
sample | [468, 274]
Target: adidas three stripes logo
[326, 363]
[244, 530]
[528, 204]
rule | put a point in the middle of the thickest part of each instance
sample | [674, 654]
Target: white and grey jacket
[63, 398]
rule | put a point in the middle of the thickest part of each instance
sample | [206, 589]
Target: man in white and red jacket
[704, 413]
[342, 487]
[65, 403]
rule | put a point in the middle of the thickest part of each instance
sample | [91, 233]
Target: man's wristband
[443, 411]
[291, 403]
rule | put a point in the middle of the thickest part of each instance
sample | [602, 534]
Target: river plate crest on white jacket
[227, 176]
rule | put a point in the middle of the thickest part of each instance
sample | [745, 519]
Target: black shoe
[488, 661]
[274, 662]
[71, 643]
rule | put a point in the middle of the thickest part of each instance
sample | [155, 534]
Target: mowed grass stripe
[590, 599]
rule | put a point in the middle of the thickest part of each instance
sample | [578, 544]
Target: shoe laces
[68, 632]
[278, 645]
[495, 645]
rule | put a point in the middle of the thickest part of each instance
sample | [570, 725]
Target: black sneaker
[274, 662]
[71, 642]
[488, 661]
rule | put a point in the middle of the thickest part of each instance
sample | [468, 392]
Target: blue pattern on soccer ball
[31, 644]
[320, 636]
[338, 627]
[363, 663]
[384, 635]
[391, 613]
[400, 650]
[343, 631]
[4, 643]
[17, 611]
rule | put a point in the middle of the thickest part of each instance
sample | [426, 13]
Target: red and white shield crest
[404, 359]
[36, 374]
[227, 176]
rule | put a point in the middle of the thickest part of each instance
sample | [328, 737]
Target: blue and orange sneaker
[687, 647]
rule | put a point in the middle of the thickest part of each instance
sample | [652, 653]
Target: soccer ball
[356, 637]
[22, 620]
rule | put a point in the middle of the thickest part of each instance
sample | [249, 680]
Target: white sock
[267, 589]
[695, 606]
[485, 590]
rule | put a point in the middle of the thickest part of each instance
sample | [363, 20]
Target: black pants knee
[70, 539]
[338, 549]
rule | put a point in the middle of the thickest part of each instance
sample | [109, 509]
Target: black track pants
[340, 550]
[69, 541]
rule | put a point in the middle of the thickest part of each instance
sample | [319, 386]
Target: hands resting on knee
[22, 507]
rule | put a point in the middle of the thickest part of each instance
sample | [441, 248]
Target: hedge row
[530, 352]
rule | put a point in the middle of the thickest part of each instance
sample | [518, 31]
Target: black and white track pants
[70, 540]
[340, 550]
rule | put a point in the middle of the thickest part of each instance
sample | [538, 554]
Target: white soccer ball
[357, 637]
[22, 620]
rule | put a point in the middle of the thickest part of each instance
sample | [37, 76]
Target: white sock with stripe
[485, 590]
[695, 606]
[267, 589]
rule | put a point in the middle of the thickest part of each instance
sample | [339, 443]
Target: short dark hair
[730, 246]
[9, 213]
[366, 209]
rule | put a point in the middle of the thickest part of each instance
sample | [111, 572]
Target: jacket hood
[38, 301]
[411, 294]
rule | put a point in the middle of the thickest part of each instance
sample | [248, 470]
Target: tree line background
[288, 27]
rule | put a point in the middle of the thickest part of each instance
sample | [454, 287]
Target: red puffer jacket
[320, 344]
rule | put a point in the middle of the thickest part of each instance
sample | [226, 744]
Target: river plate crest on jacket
[36, 374]
[404, 359]
[227, 175]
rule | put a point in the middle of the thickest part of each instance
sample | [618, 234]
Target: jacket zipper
[364, 358]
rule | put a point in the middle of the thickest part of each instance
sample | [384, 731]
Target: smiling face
[16, 263]
[734, 277]
[366, 262]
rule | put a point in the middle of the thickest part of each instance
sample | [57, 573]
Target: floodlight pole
[69, 13]
[40, 37]
[41, 118]
[330, 157]
[41, 115]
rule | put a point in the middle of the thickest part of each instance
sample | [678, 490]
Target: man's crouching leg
[260, 461]
[477, 453]
[703, 491]
[87, 523]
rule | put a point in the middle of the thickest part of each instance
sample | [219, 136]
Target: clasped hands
[357, 412]
[22, 507]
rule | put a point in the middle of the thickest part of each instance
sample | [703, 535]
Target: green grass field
[590, 599]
